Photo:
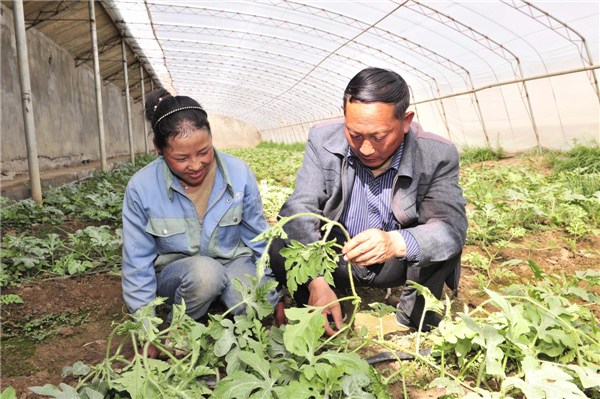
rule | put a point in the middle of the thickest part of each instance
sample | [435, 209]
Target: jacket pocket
[228, 234]
[232, 217]
[169, 234]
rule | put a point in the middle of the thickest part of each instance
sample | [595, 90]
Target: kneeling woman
[189, 216]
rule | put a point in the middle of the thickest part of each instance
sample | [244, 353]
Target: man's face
[373, 131]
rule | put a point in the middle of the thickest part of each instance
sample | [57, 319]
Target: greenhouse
[300, 199]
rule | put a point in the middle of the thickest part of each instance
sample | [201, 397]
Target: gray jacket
[427, 200]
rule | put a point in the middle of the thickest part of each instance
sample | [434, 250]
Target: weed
[470, 155]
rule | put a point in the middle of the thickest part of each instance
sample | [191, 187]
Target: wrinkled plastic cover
[282, 65]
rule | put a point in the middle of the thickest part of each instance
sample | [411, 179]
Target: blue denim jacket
[160, 224]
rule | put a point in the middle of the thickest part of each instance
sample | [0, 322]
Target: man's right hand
[320, 295]
[153, 352]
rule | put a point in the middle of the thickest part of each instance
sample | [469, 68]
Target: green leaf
[9, 393]
[589, 377]
[302, 338]
[226, 340]
[518, 326]
[452, 386]
[353, 386]
[297, 390]
[302, 262]
[92, 393]
[137, 380]
[78, 369]
[544, 380]
[256, 363]
[347, 362]
[275, 231]
[239, 385]
[538, 273]
[494, 354]
[65, 391]
[10, 298]
[381, 309]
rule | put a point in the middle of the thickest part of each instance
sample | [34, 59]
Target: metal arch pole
[479, 112]
[144, 110]
[530, 108]
[98, 86]
[29, 124]
[128, 102]
[443, 111]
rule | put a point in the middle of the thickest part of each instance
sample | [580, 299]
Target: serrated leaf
[256, 363]
[302, 338]
[346, 362]
[312, 260]
[589, 377]
[494, 354]
[544, 380]
[238, 385]
[296, 390]
[136, 380]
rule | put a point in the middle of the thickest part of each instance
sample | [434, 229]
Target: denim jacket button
[165, 231]
[235, 220]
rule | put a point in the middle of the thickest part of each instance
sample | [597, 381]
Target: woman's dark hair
[171, 116]
[379, 85]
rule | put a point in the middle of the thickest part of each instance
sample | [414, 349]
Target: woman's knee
[204, 277]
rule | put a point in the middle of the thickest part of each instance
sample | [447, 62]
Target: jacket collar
[172, 184]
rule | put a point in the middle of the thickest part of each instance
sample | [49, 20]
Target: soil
[70, 319]
[84, 309]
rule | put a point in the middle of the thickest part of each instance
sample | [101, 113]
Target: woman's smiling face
[189, 156]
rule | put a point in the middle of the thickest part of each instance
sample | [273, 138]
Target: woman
[189, 216]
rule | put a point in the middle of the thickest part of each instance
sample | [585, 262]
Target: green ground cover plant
[469, 155]
[535, 340]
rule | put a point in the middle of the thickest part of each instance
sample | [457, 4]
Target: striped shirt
[369, 205]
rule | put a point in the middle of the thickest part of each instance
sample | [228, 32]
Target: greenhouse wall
[64, 109]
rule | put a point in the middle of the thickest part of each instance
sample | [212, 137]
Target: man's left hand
[374, 246]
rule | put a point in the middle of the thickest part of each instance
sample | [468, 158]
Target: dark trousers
[390, 274]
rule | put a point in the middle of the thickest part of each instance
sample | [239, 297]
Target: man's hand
[153, 352]
[321, 294]
[374, 246]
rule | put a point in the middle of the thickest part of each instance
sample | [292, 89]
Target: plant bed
[523, 217]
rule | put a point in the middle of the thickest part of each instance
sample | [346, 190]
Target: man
[394, 188]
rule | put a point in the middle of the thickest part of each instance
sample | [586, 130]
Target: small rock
[66, 331]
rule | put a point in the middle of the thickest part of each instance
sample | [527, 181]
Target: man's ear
[408, 117]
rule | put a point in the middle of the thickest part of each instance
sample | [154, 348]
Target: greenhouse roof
[474, 68]
[284, 62]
